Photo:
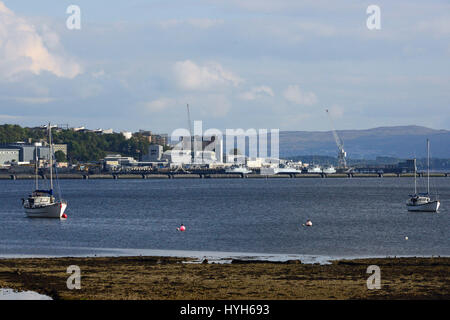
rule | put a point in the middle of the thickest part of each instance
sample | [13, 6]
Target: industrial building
[60, 147]
[161, 139]
[103, 131]
[177, 157]
[27, 152]
[154, 154]
[127, 134]
[203, 149]
[8, 156]
[115, 161]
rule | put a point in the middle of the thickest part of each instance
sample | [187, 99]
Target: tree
[60, 156]
[81, 146]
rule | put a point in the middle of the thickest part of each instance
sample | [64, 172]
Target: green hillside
[81, 146]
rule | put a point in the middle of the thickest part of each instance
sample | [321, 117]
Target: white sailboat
[42, 203]
[422, 201]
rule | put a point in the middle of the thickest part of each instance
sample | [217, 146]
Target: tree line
[81, 146]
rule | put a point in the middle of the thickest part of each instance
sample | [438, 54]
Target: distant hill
[396, 142]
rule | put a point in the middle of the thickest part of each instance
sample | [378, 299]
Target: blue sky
[239, 64]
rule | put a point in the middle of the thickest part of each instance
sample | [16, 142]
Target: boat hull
[431, 206]
[55, 210]
[238, 170]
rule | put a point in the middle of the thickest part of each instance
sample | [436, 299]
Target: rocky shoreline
[170, 278]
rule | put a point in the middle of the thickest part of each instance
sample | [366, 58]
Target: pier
[211, 175]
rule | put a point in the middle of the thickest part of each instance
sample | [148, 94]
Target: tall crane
[342, 162]
[189, 120]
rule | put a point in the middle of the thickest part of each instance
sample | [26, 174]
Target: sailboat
[42, 203]
[422, 201]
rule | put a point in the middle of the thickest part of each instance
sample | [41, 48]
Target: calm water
[351, 217]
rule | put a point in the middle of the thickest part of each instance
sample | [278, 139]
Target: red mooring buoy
[64, 216]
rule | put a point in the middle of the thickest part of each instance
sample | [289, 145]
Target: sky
[274, 64]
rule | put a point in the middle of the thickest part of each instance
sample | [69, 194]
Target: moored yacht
[42, 203]
[423, 201]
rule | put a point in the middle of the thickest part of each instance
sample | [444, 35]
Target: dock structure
[211, 175]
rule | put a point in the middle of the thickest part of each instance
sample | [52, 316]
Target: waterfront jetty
[210, 175]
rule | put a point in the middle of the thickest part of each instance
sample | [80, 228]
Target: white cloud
[294, 94]
[256, 93]
[204, 106]
[160, 104]
[23, 49]
[212, 75]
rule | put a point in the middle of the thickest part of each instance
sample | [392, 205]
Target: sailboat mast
[36, 167]
[415, 176]
[428, 166]
[50, 155]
